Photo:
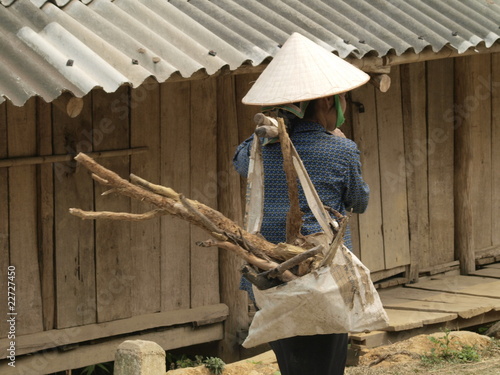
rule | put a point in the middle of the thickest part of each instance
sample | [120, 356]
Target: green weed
[214, 364]
[444, 352]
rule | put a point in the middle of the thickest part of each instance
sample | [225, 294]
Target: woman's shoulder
[345, 144]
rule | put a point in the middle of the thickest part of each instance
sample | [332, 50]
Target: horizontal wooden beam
[384, 274]
[35, 342]
[490, 252]
[32, 160]
[382, 65]
[440, 268]
[50, 361]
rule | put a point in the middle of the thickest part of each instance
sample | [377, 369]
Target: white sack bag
[334, 299]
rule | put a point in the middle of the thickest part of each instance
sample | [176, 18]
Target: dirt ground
[402, 358]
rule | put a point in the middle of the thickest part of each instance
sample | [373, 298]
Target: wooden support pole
[381, 81]
[33, 160]
[69, 104]
[466, 159]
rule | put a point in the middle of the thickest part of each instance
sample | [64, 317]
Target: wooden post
[45, 187]
[69, 104]
[470, 192]
[381, 81]
[229, 204]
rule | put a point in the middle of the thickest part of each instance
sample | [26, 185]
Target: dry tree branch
[158, 189]
[249, 257]
[253, 248]
[107, 215]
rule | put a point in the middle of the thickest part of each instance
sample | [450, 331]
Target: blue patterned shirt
[332, 164]
[334, 167]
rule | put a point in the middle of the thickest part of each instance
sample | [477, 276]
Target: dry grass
[402, 358]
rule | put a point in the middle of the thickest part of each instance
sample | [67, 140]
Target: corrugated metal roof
[48, 47]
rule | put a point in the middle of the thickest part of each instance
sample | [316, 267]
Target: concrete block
[139, 357]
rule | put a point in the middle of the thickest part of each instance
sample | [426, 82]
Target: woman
[331, 160]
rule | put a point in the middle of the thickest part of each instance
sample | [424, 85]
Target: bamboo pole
[33, 160]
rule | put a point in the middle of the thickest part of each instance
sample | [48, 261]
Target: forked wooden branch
[229, 235]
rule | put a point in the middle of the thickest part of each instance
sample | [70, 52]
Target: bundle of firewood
[269, 264]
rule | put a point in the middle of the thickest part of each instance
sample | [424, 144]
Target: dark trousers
[312, 355]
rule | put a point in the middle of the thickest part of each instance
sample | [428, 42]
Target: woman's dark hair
[311, 107]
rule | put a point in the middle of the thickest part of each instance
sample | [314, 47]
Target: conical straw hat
[303, 70]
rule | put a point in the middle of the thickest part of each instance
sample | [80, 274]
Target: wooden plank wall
[98, 272]
[45, 192]
[476, 156]
[365, 134]
[145, 246]
[94, 272]
[406, 141]
[440, 146]
[378, 131]
[175, 166]
[23, 233]
[74, 238]
[204, 186]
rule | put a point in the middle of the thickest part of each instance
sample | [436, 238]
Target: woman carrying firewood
[306, 85]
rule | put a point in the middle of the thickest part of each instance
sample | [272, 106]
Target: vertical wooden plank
[472, 162]
[466, 159]
[413, 91]
[74, 238]
[46, 214]
[4, 221]
[145, 235]
[229, 204]
[495, 147]
[204, 262]
[371, 240]
[175, 173]
[440, 160]
[115, 271]
[480, 106]
[347, 129]
[21, 134]
[245, 115]
[393, 173]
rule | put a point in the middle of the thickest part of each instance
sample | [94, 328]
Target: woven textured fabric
[334, 168]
